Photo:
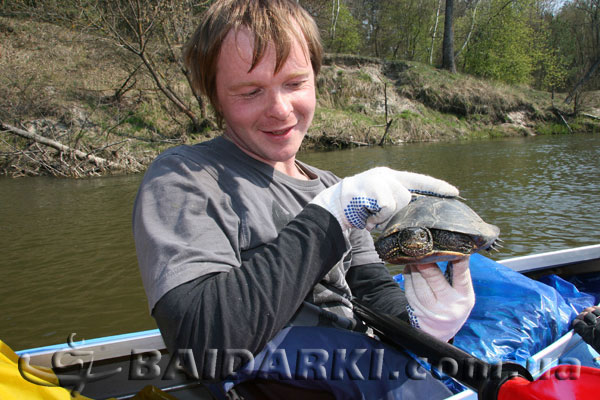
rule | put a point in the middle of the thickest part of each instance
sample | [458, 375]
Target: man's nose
[280, 105]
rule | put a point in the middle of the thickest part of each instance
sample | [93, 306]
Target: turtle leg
[452, 241]
[387, 247]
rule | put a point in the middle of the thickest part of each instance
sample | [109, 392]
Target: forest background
[91, 87]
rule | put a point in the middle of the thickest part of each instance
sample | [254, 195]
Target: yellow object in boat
[29, 383]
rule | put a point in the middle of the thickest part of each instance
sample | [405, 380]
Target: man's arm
[246, 307]
[373, 284]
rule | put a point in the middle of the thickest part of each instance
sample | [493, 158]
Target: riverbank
[76, 105]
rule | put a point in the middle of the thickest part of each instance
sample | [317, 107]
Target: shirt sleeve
[373, 284]
[245, 307]
[183, 226]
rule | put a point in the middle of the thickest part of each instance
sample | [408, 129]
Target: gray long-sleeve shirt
[228, 249]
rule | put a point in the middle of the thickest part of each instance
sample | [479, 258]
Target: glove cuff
[441, 328]
[329, 200]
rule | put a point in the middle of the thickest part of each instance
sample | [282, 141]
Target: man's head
[278, 23]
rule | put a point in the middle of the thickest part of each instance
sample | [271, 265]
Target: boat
[120, 366]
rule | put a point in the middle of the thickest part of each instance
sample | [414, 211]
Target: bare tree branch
[583, 80]
[139, 19]
[468, 38]
[433, 35]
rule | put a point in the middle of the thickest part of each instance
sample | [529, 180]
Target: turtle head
[415, 241]
[407, 243]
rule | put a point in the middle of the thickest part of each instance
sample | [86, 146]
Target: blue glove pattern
[414, 321]
[371, 198]
[359, 209]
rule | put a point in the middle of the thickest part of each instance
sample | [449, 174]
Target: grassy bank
[85, 93]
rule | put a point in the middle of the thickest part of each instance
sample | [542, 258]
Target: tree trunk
[168, 92]
[448, 44]
[335, 13]
[433, 36]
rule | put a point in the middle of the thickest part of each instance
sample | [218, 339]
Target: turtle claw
[495, 246]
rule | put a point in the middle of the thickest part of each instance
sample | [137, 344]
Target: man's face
[266, 115]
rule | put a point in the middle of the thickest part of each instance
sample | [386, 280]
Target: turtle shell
[434, 229]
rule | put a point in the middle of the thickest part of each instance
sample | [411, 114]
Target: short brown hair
[271, 21]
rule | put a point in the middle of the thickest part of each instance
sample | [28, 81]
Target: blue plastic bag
[514, 316]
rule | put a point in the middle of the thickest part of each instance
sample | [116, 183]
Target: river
[68, 261]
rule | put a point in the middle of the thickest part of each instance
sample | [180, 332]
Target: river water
[68, 261]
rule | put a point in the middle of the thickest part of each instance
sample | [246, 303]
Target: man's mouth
[279, 132]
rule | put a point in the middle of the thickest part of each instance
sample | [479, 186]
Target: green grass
[408, 115]
[552, 129]
[486, 133]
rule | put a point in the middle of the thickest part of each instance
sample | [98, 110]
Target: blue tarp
[588, 283]
[514, 316]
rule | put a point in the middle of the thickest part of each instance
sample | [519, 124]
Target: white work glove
[373, 197]
[439, 304]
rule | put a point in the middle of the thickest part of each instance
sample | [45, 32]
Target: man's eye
[251, 93]
[296, 84]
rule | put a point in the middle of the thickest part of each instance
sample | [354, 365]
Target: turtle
[432, 229]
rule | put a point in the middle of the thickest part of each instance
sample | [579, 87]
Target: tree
[550, 68]
[142, 27]
[370, 13]
[471, 29]
[502, 47]
[403, 29]
[448, 44]
[335, 13]
[344, 32]
[576, 29]
[434, 31]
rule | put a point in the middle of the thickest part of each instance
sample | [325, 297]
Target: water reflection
[68, 259]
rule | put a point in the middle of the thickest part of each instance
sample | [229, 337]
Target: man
[237, 239]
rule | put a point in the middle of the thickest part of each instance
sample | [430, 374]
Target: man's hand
[587, 324]
[372, 197]
[439, 304]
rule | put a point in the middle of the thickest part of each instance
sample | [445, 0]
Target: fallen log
[98, 161]
[562, 118]
[590, 116]
[338, 141]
